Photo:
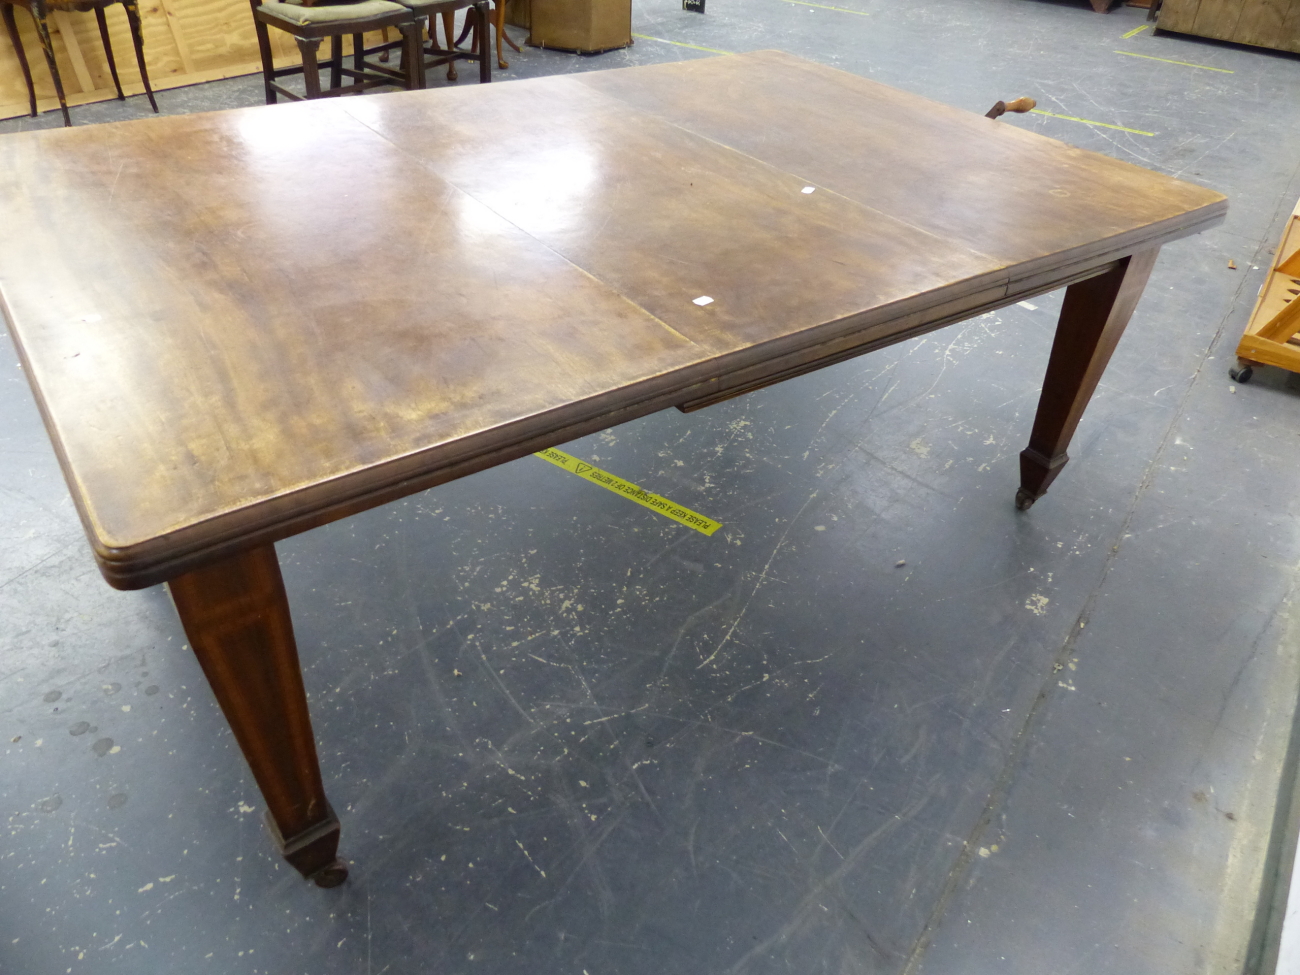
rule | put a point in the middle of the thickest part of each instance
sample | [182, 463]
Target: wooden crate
[1263, 23]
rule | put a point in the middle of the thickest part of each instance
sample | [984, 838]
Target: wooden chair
[435, 56]
[309, 25]
[40, 11]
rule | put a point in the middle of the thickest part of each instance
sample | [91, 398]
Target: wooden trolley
[1271, 335]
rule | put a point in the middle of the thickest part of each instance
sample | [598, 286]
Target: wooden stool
[40, 10]
[310, 25]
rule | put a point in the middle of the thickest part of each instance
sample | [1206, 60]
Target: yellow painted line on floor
[1185, 64]
[1136, 31]
[825, 6]
[1088, 121]
[693, 47]
[669, 509]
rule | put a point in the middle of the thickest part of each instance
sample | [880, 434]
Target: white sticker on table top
[703, 300]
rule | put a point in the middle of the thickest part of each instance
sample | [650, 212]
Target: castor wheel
[331, 876]
[1241, 373]
[1024, 500]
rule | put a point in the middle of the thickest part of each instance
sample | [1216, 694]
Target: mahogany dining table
[244, 324]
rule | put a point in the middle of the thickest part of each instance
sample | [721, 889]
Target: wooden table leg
[1093, 318]
[236, 616]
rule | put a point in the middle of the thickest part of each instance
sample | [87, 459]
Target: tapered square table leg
[1093, 318]
[236, 616]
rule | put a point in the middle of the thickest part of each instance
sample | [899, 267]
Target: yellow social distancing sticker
[669, 509]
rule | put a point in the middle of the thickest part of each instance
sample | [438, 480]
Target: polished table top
[242, 324]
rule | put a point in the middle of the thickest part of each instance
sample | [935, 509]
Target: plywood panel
[217, 31]
[66, 28]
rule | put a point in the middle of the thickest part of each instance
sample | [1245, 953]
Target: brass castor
[1024, 500]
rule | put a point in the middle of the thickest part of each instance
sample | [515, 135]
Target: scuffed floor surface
[879, 722]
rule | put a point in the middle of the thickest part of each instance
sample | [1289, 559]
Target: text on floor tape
[669, 509]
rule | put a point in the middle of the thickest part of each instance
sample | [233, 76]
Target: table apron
[850, 346]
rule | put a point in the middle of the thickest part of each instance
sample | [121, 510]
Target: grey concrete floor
[567, 735]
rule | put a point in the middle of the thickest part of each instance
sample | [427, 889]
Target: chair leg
[359, 51]
[498, 25]
[268, 63]
[7, 12]
[500, 7]
[413, 53]
[133, 18]
[310, 68]
[336, 60]
[404, 60]
[108, 52]
[499, 18]
[47, 45]
[484, 45]
[448, 28]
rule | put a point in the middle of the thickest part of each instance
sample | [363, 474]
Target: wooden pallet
[1270, 337]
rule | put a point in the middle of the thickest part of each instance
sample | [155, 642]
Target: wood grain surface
[242, 324]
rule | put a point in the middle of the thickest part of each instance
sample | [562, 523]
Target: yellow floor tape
[684, 516]
[1185, 64]
[693, 47]
[1088, 121]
